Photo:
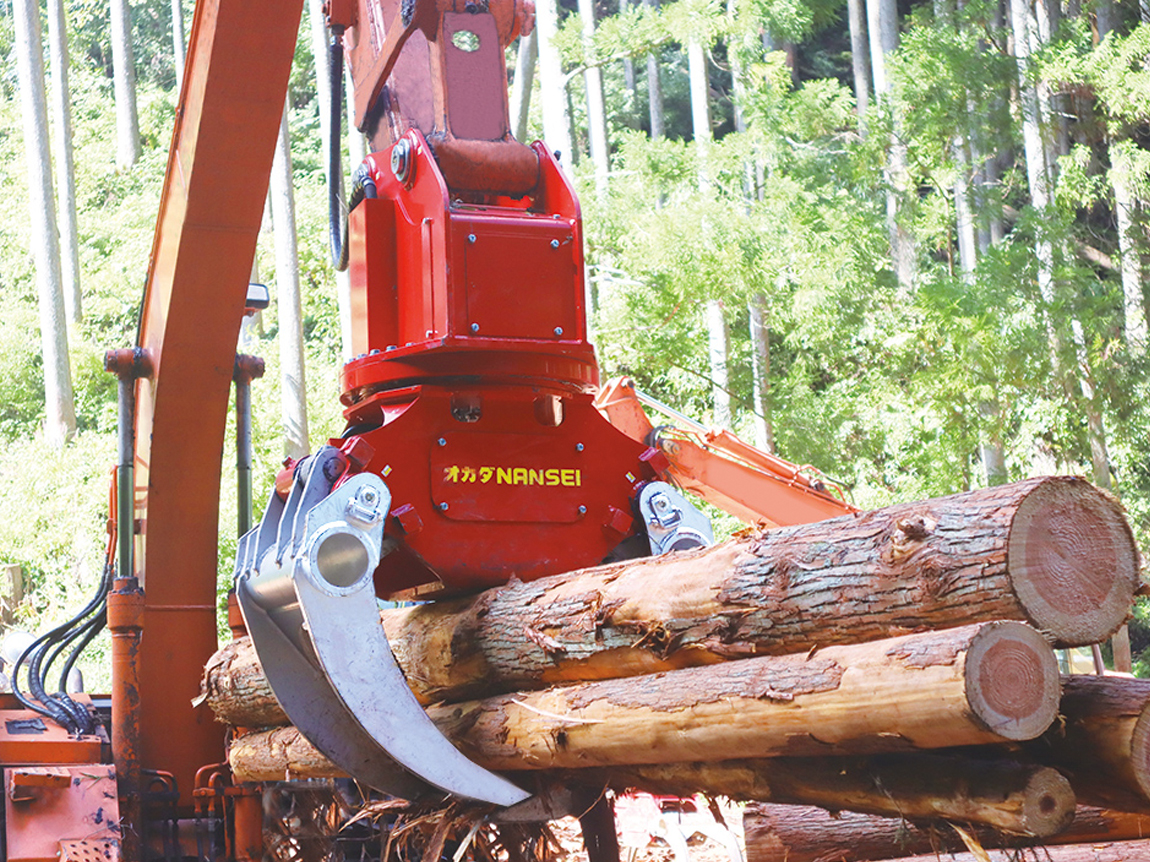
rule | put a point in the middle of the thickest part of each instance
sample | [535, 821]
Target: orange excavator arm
[717, 466]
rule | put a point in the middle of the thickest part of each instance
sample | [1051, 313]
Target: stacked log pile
[823, 665]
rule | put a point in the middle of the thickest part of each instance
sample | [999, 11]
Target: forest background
[905, 243]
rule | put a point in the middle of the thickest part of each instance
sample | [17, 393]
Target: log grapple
[474, 452]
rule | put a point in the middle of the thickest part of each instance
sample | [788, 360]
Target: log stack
[895, 662]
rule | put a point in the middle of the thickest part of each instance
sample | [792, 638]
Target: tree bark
[1052, 551]
[65, 169]
[778, 833]
[60, 412]
[293, 392]
[972, 685]
[124, 75]
[1025, 800]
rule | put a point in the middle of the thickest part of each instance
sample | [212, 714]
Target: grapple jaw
[304, 584]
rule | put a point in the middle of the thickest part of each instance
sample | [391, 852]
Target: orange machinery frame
[231, 104]
[750, 484]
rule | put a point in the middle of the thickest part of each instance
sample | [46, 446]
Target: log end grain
[1140, 752]
[1073, 562]
[1048, 804]
[1012, 680]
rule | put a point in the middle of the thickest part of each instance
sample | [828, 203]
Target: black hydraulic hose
[337, 216]
[95, 627]
[34, 655]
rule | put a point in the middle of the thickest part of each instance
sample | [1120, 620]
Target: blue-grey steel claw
[310, 607]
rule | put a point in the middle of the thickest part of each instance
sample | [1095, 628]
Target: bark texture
[1056, 552]
[973, 685]
[774, 833]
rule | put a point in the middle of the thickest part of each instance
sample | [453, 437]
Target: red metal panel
[520, 279]
[239, 57]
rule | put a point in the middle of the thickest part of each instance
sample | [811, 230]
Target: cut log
[789, 833]
[1111, 851]
[973, 685]
[1056, 552]
[1022, 799]
[1102, 742]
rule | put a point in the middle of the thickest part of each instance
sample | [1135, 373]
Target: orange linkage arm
[750, 484]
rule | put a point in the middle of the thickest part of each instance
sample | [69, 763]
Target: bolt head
[441, 441]
[555, 243]
[475, 327]
[471, 237]
[578, 447]
[582, 510]
[443, 507]
[558, 330]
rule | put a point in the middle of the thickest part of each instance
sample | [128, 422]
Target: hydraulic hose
[337, 215]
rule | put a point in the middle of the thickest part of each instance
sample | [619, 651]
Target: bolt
[443, 507]
[582, 510]
[374, 351]
[471, 237]
[390, 348]
[441, 442]
[475, 327]
[368, 496]
[558, 330]
[555, 243]
[578, 447]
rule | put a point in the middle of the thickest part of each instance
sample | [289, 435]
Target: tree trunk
[882, 28]
[1025, 800]
[761, 372]
[596, 110]
[293, 392]
[700, 104]
[178, 50]
[654, 90]
[1055, 552]
[60, 413]
[778, 833]
[719, 348]
[855, 16]
[65, 170]
[552, 86]
[522, 83]
[918, 691]
[124, 75]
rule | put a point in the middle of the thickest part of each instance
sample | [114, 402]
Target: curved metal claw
[308, 599]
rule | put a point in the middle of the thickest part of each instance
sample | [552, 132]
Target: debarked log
[792, 833]
[1055, 552]
[972, 685]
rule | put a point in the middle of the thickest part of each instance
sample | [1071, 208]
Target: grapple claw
[308, 599]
